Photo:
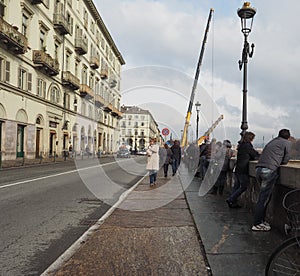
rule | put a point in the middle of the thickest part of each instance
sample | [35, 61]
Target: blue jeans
[267, 179]
[241, 183]
[152, 175]
[175, 165]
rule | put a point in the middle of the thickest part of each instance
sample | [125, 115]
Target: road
[44, 209]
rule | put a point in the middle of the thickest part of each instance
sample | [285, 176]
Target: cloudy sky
[160, 41]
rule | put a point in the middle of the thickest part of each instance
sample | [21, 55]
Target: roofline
[105, 31]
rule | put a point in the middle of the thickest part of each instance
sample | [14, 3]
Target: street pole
[197, 104]
[245, 13]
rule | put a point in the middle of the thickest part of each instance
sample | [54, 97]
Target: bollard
[41, 157]
[54, 156]
[0, 159]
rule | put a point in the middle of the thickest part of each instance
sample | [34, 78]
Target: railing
[104, 73]
[70, 80]
[99, 100]
[15, 40]
[85, 91]
[94, 62]
[48, 64]
[81, 45]
[61, 23]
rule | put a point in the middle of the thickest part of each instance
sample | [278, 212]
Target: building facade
[137, 127]
[59, 79]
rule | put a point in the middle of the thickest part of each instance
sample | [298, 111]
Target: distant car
[123, 153]
[142, 152]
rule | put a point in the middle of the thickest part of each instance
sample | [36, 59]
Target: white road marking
[50, 176]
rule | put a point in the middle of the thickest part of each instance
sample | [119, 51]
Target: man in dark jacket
[176, 150]
[275, 153]
[245, 153]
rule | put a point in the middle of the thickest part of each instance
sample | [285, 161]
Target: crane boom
[190, 107]
[209, 131]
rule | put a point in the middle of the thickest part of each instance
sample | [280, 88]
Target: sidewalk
[155, 232]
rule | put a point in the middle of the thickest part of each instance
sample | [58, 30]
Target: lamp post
[246, 13]
[197, 104]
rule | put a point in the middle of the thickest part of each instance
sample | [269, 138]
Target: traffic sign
[165, 132]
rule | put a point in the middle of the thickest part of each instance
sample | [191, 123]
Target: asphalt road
[44, 209]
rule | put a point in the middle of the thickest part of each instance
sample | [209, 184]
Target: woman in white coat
[153, 161]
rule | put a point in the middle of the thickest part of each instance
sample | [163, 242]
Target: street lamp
[246, 13]
[197, 104]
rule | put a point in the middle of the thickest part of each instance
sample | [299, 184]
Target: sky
[160, 41]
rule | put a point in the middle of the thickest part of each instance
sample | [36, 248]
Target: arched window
[54, 95]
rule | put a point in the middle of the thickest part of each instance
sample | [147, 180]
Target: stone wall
[289, 179]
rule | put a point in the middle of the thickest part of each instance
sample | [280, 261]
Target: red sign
[165, 132]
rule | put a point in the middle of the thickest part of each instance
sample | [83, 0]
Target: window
[2, 8]
[24, 24]
[84, 75]
[67, 101]
[4, 70]
[85, 18]
[54, 95]
[41, 88]
[97, 86]
[91, 81]
[24, 79]
[67, 61]
[83, 108]
[90, 112]
[42, 40]
[76, 68]
[70, 21]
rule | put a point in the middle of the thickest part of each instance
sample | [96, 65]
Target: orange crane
[189, 112]
[209, 131]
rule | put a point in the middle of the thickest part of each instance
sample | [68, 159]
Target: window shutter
[7, 71]
[44, 89]
[20, 78]
[29, 83]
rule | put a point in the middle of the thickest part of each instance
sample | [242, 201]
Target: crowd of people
[215, 157]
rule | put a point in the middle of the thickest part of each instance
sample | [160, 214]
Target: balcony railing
[61, 24]
[99, 101]
[115, 112]
[12, 39]
[86, 91]
[70, 80]
[94, 62]
[81, 45]
[104, 73]
[108, 107]
[45, 62]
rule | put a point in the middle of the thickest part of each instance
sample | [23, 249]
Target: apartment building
[59, 79]
[137, 127]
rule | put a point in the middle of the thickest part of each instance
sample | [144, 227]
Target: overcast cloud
[169, 34]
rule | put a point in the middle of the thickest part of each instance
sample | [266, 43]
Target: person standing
[167, 158]
[176, 150]
[245, 153]
[275, 153]
[153, 161]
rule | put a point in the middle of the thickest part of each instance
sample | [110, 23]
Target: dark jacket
[176, 152]
[275, 153]
[245, 153]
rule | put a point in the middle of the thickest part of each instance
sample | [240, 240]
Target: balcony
[85, 91]
[94, 62]
[115, 112]
[70, 80]
[61, 24]
[12, 39]
[81, 46]
[108, 107]
[99, 101]
[104, 73]
[45, 62]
